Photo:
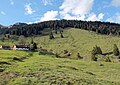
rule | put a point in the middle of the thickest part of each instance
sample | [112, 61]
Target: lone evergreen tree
[115, 50]
[78, 55]
[51, 35]
[96, 50]
[61, 35]
[8, 36]
[99, 50]
[32, 41]
[33, 45]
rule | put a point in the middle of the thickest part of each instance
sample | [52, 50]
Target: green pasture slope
[26, 68]
[47, 70]
[77, 41]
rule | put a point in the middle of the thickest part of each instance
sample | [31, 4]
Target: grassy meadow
[48, 70]
[77, 41]
[30, 68]
[74, 41]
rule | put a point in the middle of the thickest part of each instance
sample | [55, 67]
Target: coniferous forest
[37, 28]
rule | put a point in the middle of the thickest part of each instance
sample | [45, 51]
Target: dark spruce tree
[61, 35]
[32, 41]
[78, 56]
[96, 50]
[33, 45]
[115, 50]
[51, 35]
[99, 51]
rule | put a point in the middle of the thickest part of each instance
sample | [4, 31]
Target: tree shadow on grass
[108, 53]
[3, 62]
[18, 59]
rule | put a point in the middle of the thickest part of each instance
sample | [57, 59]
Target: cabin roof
[3, 46]
[22, 46]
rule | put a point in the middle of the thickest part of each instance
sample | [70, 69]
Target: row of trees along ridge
[36, 29]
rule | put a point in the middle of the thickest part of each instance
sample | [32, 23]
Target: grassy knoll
[77, 40]
[47, 70]
[23, 68]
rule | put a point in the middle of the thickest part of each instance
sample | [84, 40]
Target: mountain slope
[77, 40]
[46, 70]
[24, 68]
